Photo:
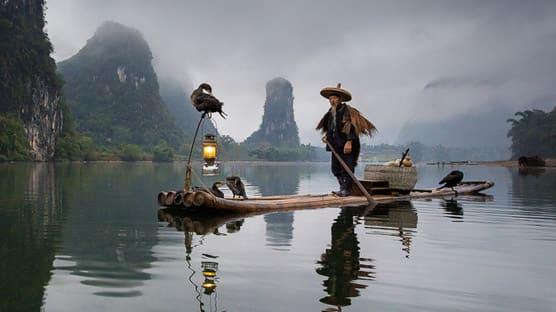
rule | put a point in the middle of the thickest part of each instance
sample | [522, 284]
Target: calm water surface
[90, 237]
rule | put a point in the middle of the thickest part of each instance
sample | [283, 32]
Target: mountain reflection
[31, 216]
[108, 240]
[277, 180]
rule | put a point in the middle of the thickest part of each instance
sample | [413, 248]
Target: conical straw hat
[338, 91]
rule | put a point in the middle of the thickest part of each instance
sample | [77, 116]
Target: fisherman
[341, 126]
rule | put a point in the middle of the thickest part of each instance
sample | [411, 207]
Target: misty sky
[401, 60]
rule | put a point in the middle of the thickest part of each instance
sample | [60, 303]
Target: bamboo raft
[380, 192]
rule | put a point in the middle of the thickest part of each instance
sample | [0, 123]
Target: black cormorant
[206, 102]
[214, 190]
[236, 186]
[453, 179]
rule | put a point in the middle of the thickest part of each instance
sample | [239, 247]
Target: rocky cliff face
[113, 93]
[42, 119]
[29, 87]
[278, 127]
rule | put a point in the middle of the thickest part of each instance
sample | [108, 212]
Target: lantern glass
[209, 152]
[209, 148]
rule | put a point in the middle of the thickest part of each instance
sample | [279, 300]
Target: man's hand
[347, 147]
[324, 139]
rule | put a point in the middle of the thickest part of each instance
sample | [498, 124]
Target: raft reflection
[399, 219]
[346, 272]
[202, 224]
[341, 263]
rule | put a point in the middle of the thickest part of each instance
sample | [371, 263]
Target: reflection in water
[398, 219]
[199, 223]
[279, 230]
[534, 191]
[30, 220]
[453, 208]
[202, 224]
[51, 223]
[525, 171]
[341, 263]
[277, 180]
[107, 243]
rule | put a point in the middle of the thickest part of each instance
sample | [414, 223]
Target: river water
[90, 237]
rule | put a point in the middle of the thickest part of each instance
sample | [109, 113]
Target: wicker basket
[399, 178]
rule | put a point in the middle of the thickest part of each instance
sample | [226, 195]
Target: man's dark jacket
[341, 131]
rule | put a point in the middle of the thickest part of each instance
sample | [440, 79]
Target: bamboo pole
[187, 180]
[371, 201]
[296, 202]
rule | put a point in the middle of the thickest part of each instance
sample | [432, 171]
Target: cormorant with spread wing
[236, 186]
[205, 102]
[453, 179]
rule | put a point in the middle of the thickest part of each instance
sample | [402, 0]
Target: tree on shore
[533, 132]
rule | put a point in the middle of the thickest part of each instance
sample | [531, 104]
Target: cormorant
[206, 102]
[453, 179]
[236, 186]
[214, 190]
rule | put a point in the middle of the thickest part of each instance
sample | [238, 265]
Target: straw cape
[352, 118]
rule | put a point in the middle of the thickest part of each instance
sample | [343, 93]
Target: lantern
[209, 148]
[209, 272]
[209, 155]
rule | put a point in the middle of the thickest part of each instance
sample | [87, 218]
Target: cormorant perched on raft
[206, 102]
[214, 190]
[236, 186]
[453, 179]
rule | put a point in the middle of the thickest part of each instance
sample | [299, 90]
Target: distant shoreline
[550, 162]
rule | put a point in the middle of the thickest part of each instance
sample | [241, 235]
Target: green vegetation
[533, 132]
[163, 152]
[269, 152]
[27, 76]
[131, 152]
[113, 93]
[25, 49]
[72, 145]
[13, 142]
